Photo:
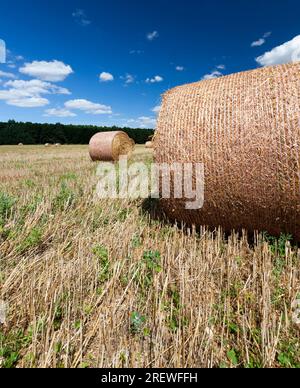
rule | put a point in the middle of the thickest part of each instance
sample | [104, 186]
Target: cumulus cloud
[152, 35]
[30, 102]
[214, 74]
[128, 78]
[6, 75]
[36, 86]
[88, 107]
[11, 65]
[156, 109]
[29, 94]
[106, 77]
[54, 112]
[81, 18]
[154, 80]
[261, 41]
[221, 67]
[2, 51]
[142, 122]
[54, 71]
[258, 42]
[286, 53]
[179, 68]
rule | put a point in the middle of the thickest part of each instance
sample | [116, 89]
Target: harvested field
[89, 283]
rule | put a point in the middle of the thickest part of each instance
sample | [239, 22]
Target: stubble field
[95, 283]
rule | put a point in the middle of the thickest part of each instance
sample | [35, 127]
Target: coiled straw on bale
[110, 146]
[245, 128]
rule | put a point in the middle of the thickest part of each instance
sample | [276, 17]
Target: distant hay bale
[110, 146]
[57, 145]
[149, 145]
[20, 144]
[47, 145]
[245, 129]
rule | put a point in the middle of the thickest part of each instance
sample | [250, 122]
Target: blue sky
[108, 63]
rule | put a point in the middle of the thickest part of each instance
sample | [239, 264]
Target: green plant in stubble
[6, 205]
[289, 354]
[31, 207]
[136, 241]
[175, 309]
[233, 357]
[150, 265]
[33, 239]
[278, 245]
[64, 199]
[11, 345]
[102, 255]
[137, 324]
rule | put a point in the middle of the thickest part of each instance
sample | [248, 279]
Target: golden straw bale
[110, 146]
[245, 129]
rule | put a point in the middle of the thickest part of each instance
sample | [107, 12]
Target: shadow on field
[152, 208]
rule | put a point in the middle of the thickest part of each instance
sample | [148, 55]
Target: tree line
[12, 133]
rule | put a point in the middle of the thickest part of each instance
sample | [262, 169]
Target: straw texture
[110, 146]
[245, 128]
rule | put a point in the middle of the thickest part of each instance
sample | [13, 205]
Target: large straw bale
[245, 128]
[110, 146]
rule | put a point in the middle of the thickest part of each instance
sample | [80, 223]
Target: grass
[93, 283]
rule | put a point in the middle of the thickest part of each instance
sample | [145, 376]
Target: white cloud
[128, 78]
[28, 94]
[152, 35]
[2, 51]
[54, 71]
[287, 52]
[106, 77]
[31, 102]
[214, 74]
[156, 109]
[11, 65]
[59, 113]
[6, 75]
[261, 41]
[267, 34]
[142, 122]
[179, 68]
[88, 107]
[36, 86]
[81, 18]
[221, 67]
[137, 52]
[154, 80]
[258, 43]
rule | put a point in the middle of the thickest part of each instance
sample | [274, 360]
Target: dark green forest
[12, 133]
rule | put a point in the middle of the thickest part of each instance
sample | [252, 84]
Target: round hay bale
[245, 129]
[20, 144]
[47, 145]
[57, 145]
[110, 146]
[149, 145]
